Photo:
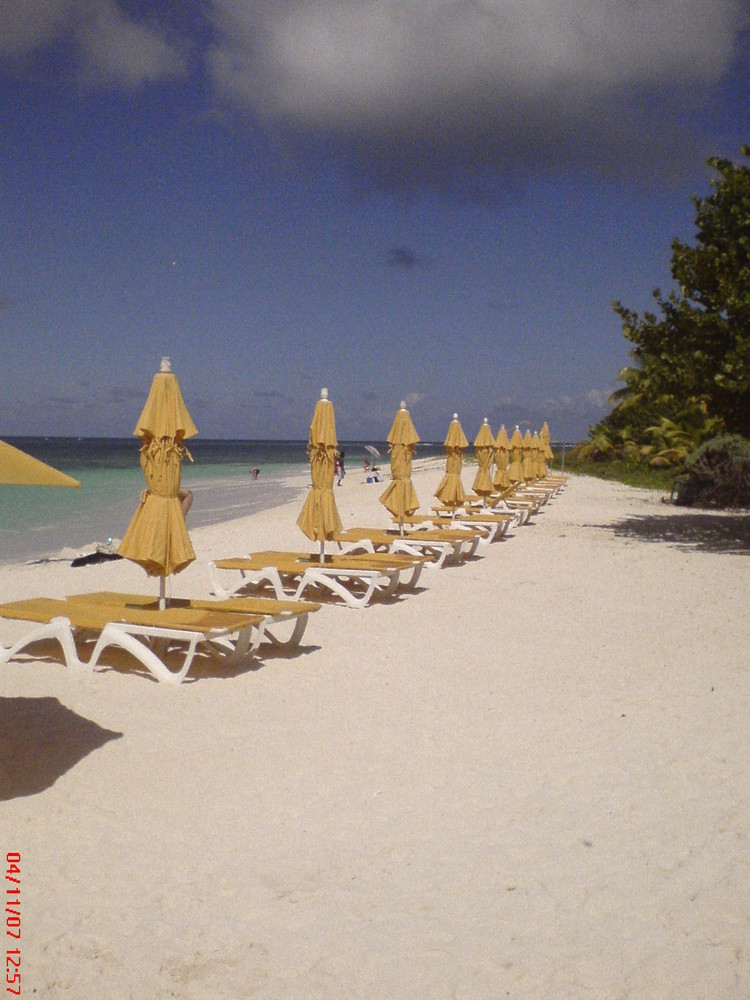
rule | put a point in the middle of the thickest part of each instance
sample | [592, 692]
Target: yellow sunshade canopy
[157, 538]
[484, 446]
[502, 458]
[19, 469]
[400, 497]
[319, 518]
[165, 414]
[403, 430]
[450, 490]
[455, 438]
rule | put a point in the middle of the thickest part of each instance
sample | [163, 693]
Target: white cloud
[599, 398]
[26, 25]
[120, 49]
[590, 402]
[440, 92]
[422, 90]
[107, 44]
[449, 63]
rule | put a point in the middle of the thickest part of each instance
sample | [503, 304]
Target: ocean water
[37, 523]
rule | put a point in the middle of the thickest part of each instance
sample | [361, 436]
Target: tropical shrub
[606, 446]
[718, 474]
[673, 440]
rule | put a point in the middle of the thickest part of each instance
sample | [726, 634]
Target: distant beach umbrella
[400, 497]
[529, 472]
[19, 469]
[157, 538]
[515, 466]
[501, 480]
[450, 490]
[540, 464]
[319, 518]
[373, 450]
[545, 436]
[484, 446]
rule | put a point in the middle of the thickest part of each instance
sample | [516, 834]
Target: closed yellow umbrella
[502, 457]
[484, 446]
[157, 538]
[540, 465]
[545, 436]
[319, 518]
[400, 497]
[515, 466]
[19, 469]
[529, 468]
[451, 490]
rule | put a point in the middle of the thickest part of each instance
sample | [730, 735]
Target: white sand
[531, 779]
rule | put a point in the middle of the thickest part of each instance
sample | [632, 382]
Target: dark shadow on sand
[697, 532]
[208, 668]
[41, 739]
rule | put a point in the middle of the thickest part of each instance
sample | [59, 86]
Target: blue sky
[421, 200]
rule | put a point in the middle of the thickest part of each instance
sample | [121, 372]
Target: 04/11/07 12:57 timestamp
[13, 923]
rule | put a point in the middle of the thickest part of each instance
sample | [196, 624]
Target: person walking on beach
[338, 466]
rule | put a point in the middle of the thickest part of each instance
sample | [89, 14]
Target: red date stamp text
[13, 923]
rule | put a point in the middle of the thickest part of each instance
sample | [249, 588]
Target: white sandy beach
[531, 778]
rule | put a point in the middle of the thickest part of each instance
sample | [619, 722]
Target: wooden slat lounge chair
[354, 579]
[230, 635]
[439, 546]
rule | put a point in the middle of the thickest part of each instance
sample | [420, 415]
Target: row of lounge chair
[260, 597]
[86, 624]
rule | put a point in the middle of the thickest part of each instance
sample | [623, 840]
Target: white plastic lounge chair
[230, 635]
[518, 506]
[354, 579]
[273, 612]
[489, 527]
[439, 546]
[494, 525]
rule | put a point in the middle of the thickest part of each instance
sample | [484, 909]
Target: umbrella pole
[162, 592]
[322, 551]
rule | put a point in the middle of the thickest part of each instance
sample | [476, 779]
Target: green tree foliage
[693, 356]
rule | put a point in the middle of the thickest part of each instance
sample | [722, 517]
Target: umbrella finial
[166, 364]
[455, 416]
[403, 404]
[324, 393]
[486, 420]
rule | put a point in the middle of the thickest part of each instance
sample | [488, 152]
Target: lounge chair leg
[116, 635]
[247, 644]
[57, 628]
[247, 579]
[411, 583]
[312, 577]
[300, 624]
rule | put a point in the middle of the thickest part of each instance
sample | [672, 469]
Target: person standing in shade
[338, 466]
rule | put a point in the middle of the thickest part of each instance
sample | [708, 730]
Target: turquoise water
[36, 523]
